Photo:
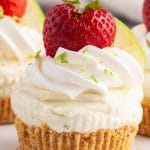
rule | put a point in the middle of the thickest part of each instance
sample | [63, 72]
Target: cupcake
[85, 98]
[142, 32]
[16, 43]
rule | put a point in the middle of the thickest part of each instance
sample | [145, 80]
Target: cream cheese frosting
[81, 91]
[10, 74]
[17, 42]
[144, 39]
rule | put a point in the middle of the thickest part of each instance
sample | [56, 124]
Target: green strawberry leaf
[92, 5]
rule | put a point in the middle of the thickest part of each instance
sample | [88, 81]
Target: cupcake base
[144, 128]
[6, 113]
[44, 138]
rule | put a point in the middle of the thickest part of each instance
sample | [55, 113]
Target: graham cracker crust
[6, 113]
[44, 138]
[144, 127]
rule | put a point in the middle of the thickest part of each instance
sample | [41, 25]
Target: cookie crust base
[44, 138]
[144, 127]
[6, 114]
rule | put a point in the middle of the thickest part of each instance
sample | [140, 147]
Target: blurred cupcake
[142, 32]
[16, 43]
[79, 96]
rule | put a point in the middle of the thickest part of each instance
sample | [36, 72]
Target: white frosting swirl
[144, 39]
[16, 43]
[10, 74]
[85, 91]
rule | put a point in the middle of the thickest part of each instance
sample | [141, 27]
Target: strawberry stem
[1, 12]
[77, 5]
[92, 5]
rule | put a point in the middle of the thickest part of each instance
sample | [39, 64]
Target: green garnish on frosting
[107, 72]
[1, 12]
[37, 54]
[63, 58]
[93, 78]
[66, 126]
[83, 69]
[85, 51]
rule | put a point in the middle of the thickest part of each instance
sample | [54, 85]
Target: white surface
[8, 140]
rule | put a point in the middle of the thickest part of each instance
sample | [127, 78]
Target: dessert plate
[8, 140]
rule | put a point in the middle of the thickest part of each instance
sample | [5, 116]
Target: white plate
[8, 140]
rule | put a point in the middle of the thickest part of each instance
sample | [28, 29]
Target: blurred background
[129, 11]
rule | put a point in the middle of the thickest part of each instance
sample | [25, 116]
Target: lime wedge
[126, 40]
[34, 17]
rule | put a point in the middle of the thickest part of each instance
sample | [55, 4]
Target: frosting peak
[89, 69]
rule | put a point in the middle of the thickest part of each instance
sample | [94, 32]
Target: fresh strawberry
[66, 27]
[14, 7]
[146, 14]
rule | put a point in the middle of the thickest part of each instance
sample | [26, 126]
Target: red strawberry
[146, 14]
[14, 7]
[67, 28]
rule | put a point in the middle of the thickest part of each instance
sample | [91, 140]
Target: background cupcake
[88, 98]
[17, 42]
[143, 34]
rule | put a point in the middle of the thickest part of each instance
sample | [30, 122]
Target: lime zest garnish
[66, 126]
[85, 51]
[34, 55]
[93, 78]
[63, 58]
[83, 69]
[107, 72]
[37, 54]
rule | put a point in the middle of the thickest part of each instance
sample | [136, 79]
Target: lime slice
[126, 40]
[34, 17]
